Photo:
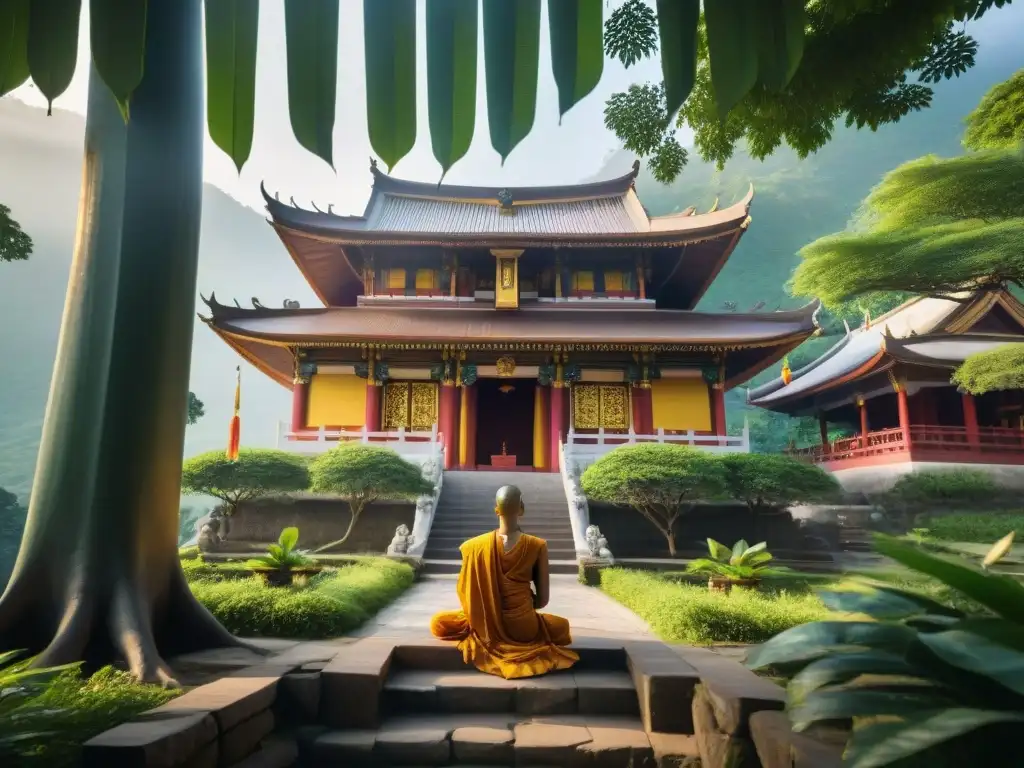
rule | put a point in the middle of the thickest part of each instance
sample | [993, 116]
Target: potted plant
[283, 562]
[740, 566]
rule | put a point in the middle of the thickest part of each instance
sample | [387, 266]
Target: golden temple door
[600, 405]
[410, 404]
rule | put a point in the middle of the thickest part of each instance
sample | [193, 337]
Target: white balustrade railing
[415, 446]
[584, 449]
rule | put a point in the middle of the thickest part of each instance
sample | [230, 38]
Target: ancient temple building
[890, 381]
[504, 322]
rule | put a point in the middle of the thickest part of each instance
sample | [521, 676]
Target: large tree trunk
[98, 577]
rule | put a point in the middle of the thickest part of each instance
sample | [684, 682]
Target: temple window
[597, 406]
[427, 282]
[394, 279]
[410, 404]
[582, 283]
[619, 282]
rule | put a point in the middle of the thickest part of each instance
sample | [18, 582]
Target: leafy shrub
[333, 604]
[361, 474]
[962, 488]
[283, 555]
[680, 613]
[741, 562]
[977, 528]
[966, 700]
[48, 725]
[765, 481]
[659, 481]
[256, 473]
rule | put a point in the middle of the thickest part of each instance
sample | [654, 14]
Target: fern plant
[741, 563]
[283, 556]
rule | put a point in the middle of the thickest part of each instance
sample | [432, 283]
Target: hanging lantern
[787, 374]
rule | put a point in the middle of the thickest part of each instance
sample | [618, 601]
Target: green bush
[962, 488]
[772, 481]
[69, 711]
[256, 473]
[334, 603]
[660, 481]
[973, 528]
[679, 613]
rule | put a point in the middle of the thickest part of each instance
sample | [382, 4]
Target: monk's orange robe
[498, 630]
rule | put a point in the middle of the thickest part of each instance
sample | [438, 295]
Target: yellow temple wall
[681, 404]
[336, 400]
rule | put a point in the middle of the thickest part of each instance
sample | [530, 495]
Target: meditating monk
[499, 629]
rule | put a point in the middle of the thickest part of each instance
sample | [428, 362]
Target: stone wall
[257, 524]
[630, 535]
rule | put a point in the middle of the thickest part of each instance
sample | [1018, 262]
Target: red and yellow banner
[235, 431]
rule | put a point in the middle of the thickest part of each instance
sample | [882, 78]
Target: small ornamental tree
[15, 244]
[659, 481]
[764, 481]
[196, 409]
[361, 474]
[997, 369]
[257, 472]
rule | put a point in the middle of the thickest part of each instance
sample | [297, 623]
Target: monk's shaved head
[508, 501]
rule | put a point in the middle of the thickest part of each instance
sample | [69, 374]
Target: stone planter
[286, 577]
[725, 585]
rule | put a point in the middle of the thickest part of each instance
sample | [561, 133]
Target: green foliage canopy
[660, 481]
[998, 121]
[15, 244]
[257, 472]
[361, 474]
[997, 369]
[763, 481]
[196, 409]
[963, 489]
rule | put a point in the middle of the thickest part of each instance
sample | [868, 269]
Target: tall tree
[935, 226]
[15, 244]
[196, 409]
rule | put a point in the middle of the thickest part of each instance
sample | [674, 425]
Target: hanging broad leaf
[511, 54]
[780, 40]
[53, 45]
[844, 704]
[117, 38]
[13, 44]
[577, 52]
[807, 642]
[677, 27]
[311, 39]
[232, 28]
[842, 668]
[732, 50]
[389, 29]
[999, 550]
[451, 78]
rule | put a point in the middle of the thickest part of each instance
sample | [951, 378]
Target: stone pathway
[588, 610]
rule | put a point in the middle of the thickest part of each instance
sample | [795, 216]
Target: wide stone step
[502, 740]
[438, 565]
[589, 692]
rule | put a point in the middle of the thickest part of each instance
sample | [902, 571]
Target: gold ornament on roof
[506, 366]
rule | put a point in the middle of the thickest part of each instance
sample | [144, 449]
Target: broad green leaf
[289, 538]
[807, 641]
[13, 44]
[53, 45]
[451, 77]
[758, 558]
[844, 667]
[117, 39]
[577, 50]
[929, 605]
[732, 50]
[389, 33]
[276, 551]
[718, 550]
[752, 552]
[998, 631]
[999, 550]
[737, 552]
[884, 743]
[876, 604]
[847, 703]
[677, 29]
[6, 657]
[976, 654]
[311, 39]
[232, 28]
[511, 54]
[780, 40]
[1000, 594]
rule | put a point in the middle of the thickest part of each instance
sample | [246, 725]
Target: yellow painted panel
[681, 404]
[613, 281]
[426, 280]
[396, 279]
[583, 281]
[336, 400]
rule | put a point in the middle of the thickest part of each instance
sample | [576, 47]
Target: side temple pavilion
[506, 323]
[890, 379]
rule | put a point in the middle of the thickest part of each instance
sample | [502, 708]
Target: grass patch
[684, 613]
[973, 528]
[49, 728]
[333, 603]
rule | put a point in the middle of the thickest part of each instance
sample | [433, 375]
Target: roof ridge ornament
[505, 202]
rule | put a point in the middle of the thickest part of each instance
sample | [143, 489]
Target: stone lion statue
[400, 544]
[597, 544]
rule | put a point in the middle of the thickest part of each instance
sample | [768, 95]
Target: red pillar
[863, 407]
[447, 418]
[638, 410]
[556, 434]
[371, 420]
[971, 421]
[904, 413]
[718, 423]
[300, 404]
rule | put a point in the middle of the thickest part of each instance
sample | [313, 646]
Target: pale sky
[551, 154]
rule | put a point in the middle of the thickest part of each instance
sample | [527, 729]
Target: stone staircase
[466, 509]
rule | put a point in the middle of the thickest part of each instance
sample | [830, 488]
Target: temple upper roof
[930, 332]
[602, 212]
